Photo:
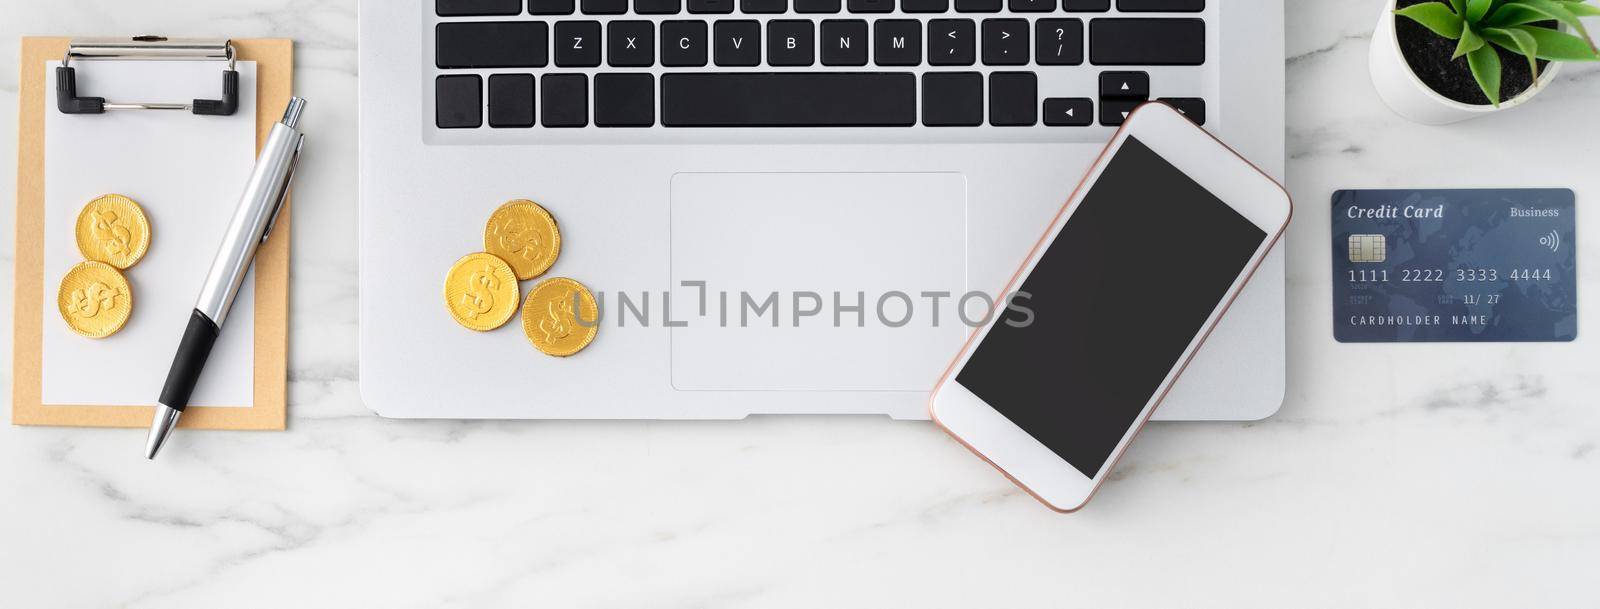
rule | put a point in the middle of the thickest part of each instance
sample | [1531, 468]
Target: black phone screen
[1115, 300]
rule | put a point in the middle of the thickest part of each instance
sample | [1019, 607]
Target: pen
[251, 224]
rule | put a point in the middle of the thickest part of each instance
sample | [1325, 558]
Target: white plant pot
[1408, 96]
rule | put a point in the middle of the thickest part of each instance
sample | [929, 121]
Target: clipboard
[273, 66]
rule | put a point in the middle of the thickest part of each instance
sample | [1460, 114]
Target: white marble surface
[1395, 476]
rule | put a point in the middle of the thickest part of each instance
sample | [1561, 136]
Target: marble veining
[1394, 476]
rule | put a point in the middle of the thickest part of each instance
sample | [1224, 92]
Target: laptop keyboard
[588, 65]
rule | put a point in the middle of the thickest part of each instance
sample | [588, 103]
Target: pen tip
[161, 426]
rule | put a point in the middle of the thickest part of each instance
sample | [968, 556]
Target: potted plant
[1438, 62]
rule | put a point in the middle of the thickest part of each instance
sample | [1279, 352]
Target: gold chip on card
[95, 299]
[113, 229]
[1368, 248]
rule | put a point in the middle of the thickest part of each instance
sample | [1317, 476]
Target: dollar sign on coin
[481, 292]
[555, 324]
[479, 298]
[95, 299]
[113, 229]
[525, 235]
[560, 317]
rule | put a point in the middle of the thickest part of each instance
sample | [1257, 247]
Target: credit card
[1489, 265]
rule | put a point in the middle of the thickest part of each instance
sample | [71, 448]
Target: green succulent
[1480, 25]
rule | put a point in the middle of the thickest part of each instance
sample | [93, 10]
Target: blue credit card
[1491, 265]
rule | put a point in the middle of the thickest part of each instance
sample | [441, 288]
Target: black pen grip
[198, 339]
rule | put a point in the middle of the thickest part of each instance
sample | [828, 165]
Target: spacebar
[789, 99]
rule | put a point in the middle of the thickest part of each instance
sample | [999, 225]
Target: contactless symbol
[1368, 248]
[1551, 241]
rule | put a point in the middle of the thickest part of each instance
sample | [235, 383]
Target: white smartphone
[1110, 305]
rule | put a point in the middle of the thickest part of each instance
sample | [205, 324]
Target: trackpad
[816, 281]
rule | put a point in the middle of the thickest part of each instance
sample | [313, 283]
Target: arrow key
[1114, 111]
[1192, 107]
[1125, 85]
[1069, 112]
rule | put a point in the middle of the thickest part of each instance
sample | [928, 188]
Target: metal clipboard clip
[147, 48]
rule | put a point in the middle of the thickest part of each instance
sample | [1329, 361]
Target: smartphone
[1110, 305]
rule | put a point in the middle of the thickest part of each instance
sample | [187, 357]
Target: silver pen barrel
[252, 219]
[251, 223]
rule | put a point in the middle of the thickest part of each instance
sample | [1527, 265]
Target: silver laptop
[785, 206]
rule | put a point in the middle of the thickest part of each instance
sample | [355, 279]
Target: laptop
[783, 206]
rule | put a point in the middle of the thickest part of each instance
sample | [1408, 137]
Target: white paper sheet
[187, 172]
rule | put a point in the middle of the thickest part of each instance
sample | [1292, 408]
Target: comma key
[951, 42]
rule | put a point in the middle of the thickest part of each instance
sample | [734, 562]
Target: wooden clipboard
[274, 73]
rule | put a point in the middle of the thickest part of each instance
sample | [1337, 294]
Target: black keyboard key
[871, 6]
[794, 99]
[844, 42]
[1031, 6]
[951, 42]
[1147, 42]
[711, 7]
[816, 6]
[605, 7]
[1013, 99]
[630, 44]
[978, 6]
[1005, 42]
[763, 7]
[1126, 85]
[736, 43]
[473, 8]
[624, 100]
[1069, 112]
[657, 7]
[1192, 107]
[952, 99]
[1059, 42]
[1086, 6]
[683, 43]
[458, 101]
[1114, 111]
[511, 100]
[550, 7]
[924, 6]
[898, 42]
[565, 98]
[484, 44]
[577, 44]
[1161, 6]
[790, 42]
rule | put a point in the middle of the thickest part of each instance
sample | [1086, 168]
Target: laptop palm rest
[816, 281]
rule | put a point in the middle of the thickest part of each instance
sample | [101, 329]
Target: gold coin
[481, 292]
[114, 230]
[524, 235]
[560, 317]
[95, 299]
